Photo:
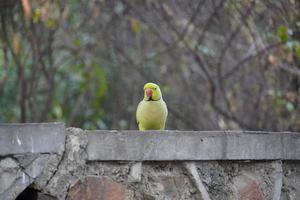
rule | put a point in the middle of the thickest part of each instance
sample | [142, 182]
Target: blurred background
[222, 64]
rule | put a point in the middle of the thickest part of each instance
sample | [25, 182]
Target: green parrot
[152, 112]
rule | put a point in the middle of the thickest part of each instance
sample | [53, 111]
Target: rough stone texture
[31, 138]
[26, 150]
[44, 178]
[98, 188]
[218, 178]
[222, 178]
[136, 171]
[193, 172]
[8, 173]
[15, 177]
[181, 145]
[166, 181]
[172, 186]
[69, 168]
[291, 181]
[55, 175]
[278, 179]
[41, 196]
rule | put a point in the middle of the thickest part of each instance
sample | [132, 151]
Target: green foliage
[100, 53]
[9, 110]
[77, 42]
[290, 107]
[80, 84]
[290, 43]
[51, 23]
[135, 26]
[282, 33]
[297, 50]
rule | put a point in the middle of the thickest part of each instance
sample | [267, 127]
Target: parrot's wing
[138, 115]
[166, 109]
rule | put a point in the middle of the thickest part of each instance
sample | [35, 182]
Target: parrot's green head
[152, 92]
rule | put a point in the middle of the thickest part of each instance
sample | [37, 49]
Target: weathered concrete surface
[26, 150]
[166, 181]
[191, 168]
[181, 145]
[58, 178]
[9, 173]
[291, 181]
[240, 180]
[31, 138]
[15, 177]
[70, 174]
[74, 168]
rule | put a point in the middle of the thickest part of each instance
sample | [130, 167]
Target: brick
[97, 188]
[247, 188]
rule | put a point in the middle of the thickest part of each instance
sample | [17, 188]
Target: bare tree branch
[242, 62]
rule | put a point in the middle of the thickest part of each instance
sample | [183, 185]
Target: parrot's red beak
[148, 92]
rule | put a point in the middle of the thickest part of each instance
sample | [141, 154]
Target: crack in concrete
[56, 168]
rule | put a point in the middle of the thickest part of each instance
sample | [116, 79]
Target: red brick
[97, 188]
[247, 188]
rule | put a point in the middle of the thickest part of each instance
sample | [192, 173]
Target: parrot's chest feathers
[153, 109]
[154, 114]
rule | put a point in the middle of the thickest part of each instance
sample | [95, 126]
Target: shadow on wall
[32, 194]
[28, 194]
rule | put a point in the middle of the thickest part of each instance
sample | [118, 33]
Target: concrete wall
[71, 163]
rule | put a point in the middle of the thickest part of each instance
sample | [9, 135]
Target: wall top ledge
[222, 132]
[18, 138]
[131, 145]
[192, 145]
